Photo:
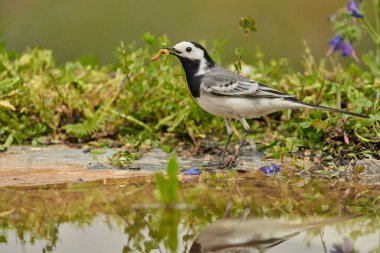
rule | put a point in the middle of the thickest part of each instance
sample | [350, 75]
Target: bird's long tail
[328, 221]
[325, 108]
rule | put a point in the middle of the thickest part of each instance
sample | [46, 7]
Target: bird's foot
[229, 162]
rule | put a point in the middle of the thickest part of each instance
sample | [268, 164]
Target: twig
[323, 241]
[320, 91]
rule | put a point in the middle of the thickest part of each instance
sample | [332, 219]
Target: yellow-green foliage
[134, 100]
[82, 99]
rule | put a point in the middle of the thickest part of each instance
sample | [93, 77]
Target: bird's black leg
[220, 164]
[229, 133]
[247, 130]
[247, 209]
[230, 202]
[241, 143]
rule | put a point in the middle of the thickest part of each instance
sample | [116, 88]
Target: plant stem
[377, 18]
[320, 91]
[376, 9]
[338, 95]
[245, 36]
[371, 31]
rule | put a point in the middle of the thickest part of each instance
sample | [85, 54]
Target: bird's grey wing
[227, 84]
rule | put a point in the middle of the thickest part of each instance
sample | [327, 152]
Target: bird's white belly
[236, 107]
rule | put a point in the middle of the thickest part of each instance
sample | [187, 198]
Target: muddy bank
[29, 165]
[26, 165]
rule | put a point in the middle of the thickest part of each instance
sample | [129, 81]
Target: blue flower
[192, 171]
[270, 169]
[335, 42]
[344, 46]
[353, 9]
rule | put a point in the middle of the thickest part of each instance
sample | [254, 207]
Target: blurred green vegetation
[168, 187]
[72, 28]
[136, 102]
[351, 24]
[39, 212]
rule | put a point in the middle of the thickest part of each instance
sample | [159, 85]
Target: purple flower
[270, 169]
[337, 249]
[352, 5]
[338, 44]
[353, 9]
[335, 42]
[346, 247]
[192, 171]
[346, 48]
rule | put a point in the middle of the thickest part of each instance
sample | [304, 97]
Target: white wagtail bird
[224, 93]
[251, 235]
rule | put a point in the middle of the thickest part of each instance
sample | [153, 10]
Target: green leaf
[325, 208]
[240, 51]
[3, 239]
[162, 188]
[173, 184]
[247, 24]
[168, 187]
[6, 213]
[7, 143]
[149, 39]
[87, 127]
[363, 102]
[369, 60]
[291, 146]
[138, 122]
[7, 104]
[319, 124]
[305, 124]
[98, 151]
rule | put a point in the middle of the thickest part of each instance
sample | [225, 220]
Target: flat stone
[30, 165]
[50, 157]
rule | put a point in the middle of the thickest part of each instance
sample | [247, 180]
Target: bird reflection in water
[248, 235]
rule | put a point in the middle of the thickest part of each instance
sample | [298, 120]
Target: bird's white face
[188, 50]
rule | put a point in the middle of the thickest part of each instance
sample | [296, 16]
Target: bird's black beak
[172, 50]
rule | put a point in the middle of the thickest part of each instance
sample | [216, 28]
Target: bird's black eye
[188, 49]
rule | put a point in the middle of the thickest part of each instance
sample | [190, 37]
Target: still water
[247, 215]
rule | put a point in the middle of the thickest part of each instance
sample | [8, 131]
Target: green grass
[168, 187]
[135, 102]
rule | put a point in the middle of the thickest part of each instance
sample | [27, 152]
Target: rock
[54, 164]
[367, 170]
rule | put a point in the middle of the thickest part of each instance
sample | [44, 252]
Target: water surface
[124, 216]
